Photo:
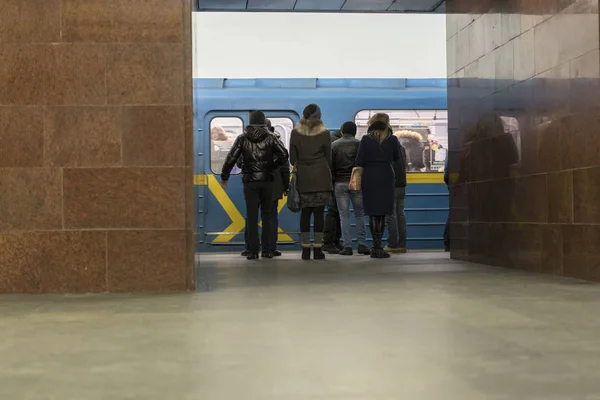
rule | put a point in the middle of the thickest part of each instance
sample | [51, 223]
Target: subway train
[418, 112]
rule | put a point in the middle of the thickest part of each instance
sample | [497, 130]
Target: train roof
[320, 83]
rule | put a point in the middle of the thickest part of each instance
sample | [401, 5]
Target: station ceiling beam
[336, 6]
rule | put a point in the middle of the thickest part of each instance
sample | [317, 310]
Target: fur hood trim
[409, 135]
[311, 127]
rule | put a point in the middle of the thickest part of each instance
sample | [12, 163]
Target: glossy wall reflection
[524, 112]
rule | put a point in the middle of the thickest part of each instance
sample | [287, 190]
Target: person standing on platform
[343, 161]
[396, 223]
[281, 184]
[310, 155]
[377, 152]
[262, 154]
[333, 230]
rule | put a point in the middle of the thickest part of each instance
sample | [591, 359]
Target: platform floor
[415, 327]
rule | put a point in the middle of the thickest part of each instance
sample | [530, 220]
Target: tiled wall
[524, 106]
[96, 146]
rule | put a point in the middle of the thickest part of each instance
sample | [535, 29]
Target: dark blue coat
[378, 180]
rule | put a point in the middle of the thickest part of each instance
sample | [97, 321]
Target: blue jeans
[343, 197]
[397, 222]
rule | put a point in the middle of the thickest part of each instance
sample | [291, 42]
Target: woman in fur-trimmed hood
[310, 154]
[377, 152]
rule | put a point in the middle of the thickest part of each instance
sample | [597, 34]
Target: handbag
[293, 199]
[356, 179]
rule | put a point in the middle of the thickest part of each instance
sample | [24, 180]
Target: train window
[423, 133]
[223, 132]
[283, 128]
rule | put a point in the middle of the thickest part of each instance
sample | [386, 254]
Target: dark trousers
[333, 230]
[274, 228]
[258, 195]
[447, 233]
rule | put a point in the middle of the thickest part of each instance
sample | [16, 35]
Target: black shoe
[346, 252]
[364, 250]
[267, 254]
[330, 248]
[252, 256]
[446, 249]
[276, 253]
[306, 253]
[245, 253]
[318, 254]
[339, 246]
[379, 253]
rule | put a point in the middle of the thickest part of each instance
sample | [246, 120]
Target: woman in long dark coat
[310, 154]
[376, 153]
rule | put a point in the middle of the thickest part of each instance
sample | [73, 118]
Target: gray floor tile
[417, 326]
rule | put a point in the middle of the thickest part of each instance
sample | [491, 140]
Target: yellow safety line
[415, 177]
[425, 177]
[200, 180]
[237, 219]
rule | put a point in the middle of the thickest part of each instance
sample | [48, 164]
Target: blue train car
[418, 109]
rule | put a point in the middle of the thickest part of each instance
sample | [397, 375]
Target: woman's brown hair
[379, 127]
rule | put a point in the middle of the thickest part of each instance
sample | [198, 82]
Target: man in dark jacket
[397, 222]
[343, 161]
[262, 154]
[333, 230]
[281, 184]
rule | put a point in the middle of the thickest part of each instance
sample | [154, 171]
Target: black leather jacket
[343, 156]
[261, 153]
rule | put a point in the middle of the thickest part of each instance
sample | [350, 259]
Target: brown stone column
[95, 146]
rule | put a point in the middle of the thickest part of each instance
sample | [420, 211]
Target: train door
[224, 210]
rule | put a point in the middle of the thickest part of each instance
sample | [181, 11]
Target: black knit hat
[312, 111]
[257, 118]
[349, 128]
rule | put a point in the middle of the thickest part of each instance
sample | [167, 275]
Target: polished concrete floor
[415, 327]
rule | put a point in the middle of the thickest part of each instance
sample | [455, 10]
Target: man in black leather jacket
[262, 153]
[281, 185]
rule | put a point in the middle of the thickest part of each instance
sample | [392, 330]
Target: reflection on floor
[417, 326]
